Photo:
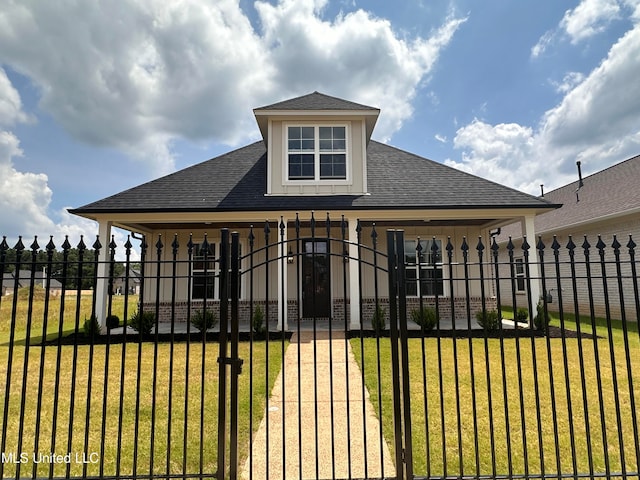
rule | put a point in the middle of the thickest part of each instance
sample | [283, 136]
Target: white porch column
[283, 295]
[528, 229]
[354, 275]
[102, 281]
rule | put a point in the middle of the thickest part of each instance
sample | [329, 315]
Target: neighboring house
[130, 279]
[24, 280]
[40, 280]
[316, 154]
[602, 205]
[8, 283]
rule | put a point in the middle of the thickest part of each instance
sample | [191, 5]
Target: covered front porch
[301, 269]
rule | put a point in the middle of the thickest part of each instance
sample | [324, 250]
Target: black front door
[316, 283]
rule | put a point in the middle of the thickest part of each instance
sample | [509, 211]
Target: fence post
[222, 366]
[399, 358]
[236, 363]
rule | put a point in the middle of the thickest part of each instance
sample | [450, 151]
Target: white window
[206, 274]
[429, 263]
[519, 270]
[316, 152]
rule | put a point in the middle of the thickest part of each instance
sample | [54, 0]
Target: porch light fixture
[290, 257]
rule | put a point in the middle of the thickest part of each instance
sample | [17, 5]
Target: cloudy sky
[99, 96]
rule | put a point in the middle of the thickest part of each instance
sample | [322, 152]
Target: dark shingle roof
[609, 192]
[316, 101]
[237, 181]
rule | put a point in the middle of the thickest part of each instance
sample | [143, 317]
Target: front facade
[316, 162]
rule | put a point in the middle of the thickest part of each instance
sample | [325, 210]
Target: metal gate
[438, 359]
[318, 419]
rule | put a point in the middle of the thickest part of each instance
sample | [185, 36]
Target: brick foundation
[179, 309]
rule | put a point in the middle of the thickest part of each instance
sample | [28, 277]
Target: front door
[316, 283]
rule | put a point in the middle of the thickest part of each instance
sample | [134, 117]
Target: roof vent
[542, 190]
[580, 182]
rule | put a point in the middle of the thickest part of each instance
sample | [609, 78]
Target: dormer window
[316, 152]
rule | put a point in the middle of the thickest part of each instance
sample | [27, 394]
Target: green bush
[521, 315]
[425, 317]
[489, 320]
[257, 322]
[541, 321]
[113, 321]
[91, 327]
[378, 322]
[203, 320]
[143, 322]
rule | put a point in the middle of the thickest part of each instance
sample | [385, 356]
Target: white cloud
[134, 75]
[440, 138]
[596, 122]
[589, 18]
[502, 153]
[11, 111]
[568, 83]
[25, 196]
[605, 105]
[355, 56]
[138, 75]
[544, 41]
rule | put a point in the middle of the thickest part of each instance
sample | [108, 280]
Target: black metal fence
[453, 366]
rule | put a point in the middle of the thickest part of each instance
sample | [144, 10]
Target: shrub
[425, 317]
[541, 321]
[257, 322]
[378, 322]
[143, 322]
[203, 320]
[113, 321]
[91, 327]
[521, 315]
[488, 320]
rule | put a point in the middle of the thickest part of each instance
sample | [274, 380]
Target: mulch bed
[197, 337]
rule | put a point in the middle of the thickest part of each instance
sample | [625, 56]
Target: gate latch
[236, 364]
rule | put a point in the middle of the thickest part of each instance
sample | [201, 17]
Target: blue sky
[97, 97]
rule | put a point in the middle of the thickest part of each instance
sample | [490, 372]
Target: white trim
[354, 274]
[316, 180]
[270, 158]
[365, 187]
[283, 268]
[528, 226]
[102, 274]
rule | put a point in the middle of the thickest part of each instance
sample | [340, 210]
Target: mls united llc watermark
[49, 458]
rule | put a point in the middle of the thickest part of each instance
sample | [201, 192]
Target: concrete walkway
[308, 451]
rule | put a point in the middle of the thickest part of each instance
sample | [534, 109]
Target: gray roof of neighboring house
[316, 101]
[610, 192]
[25, 279]
[236, 181]
[8, 280]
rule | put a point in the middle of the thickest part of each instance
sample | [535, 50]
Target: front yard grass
[186, 396]
[443, 442]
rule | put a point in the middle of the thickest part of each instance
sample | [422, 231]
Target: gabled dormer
[316, 145]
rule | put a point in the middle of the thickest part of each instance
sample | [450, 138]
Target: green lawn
[437, 442]
[192, 400]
